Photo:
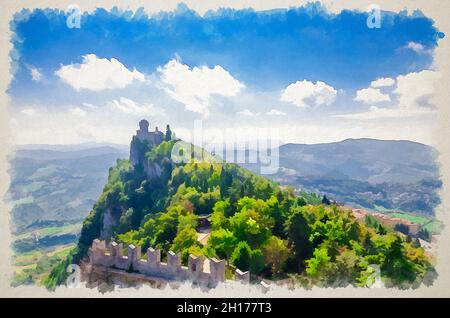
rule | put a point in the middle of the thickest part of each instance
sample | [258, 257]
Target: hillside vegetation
[256, 225]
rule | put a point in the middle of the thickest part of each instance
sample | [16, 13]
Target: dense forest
[256, 225]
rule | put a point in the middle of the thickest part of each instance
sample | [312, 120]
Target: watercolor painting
[290, 147]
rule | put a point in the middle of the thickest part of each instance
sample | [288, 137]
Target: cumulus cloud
[414, 89]
[308, 94]
[413, 92]
[382, 82]
[131, 107]
[275, 112]
[195, 87]
[371, 95]
[98, 74]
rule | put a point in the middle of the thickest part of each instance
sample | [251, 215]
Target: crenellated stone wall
[200, 270]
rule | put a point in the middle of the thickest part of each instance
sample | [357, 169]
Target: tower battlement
[143, 134]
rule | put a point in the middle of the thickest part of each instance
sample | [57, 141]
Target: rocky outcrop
[108, 223]
[152, 170]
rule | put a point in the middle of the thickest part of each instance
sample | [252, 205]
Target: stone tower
[142, 142]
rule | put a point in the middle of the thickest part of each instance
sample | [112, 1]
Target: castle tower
[143, 126]
[141, 143]
[143, 133]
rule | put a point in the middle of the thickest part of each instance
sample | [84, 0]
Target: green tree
[168, 136]
[402, 228]
[166, 227]
[252, 223]
[244, 258]
[424, 234]
[276, 252]
[257, 261]
[320, 265]
[298, 232]
[223, 242]
[184, 240]
[188, 221]
[325, 200]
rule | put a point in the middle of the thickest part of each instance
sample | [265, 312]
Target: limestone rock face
[108, 223]
[135, 158]
[152, 170]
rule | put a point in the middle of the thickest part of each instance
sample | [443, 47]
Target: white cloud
[276, 112]
[247, 112]
[66, 124]
[131, 107]
[416, 47]
[413, 92]
[195, 87]
[29, 111]
[36, 75]
[308, 94]
[98, 74]
[414, 89]
[382, 82]
[371, 95]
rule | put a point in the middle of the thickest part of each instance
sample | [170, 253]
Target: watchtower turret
[143, 125]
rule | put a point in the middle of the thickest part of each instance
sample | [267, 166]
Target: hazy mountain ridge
[376, 174]
[371, 160]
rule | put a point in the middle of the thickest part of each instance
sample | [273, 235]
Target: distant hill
[376, 174]
[374, 161]
[57, 183]
[72, 147]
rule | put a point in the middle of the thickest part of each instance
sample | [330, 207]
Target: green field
[51, 231]
[432, 225]
[33, 267]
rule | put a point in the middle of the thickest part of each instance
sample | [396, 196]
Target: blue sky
[317, 76]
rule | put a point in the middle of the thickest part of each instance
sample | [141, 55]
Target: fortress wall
[196, 271]
[243, 277]
[217, 268]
